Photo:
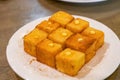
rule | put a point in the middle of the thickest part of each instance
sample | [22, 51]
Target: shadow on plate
[94, 61]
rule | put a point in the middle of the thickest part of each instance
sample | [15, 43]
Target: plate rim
[79, 1]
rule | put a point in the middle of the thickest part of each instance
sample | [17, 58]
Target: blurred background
[16, 13]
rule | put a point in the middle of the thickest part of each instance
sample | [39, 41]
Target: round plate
[104, 63]
[82, 1]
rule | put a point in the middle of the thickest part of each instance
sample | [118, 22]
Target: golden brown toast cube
[82, 43]
[77, 25]
[60, 35]
[70, 61]
[61, 17]
[48, 26]
[46, 52]
[94, 33]
[31, 40]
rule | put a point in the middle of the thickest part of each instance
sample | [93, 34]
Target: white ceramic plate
[100, 67]
[82, 1]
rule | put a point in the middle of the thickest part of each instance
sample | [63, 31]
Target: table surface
[16, 13]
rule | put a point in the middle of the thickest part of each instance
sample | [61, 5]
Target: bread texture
[32, 39]
[82, 43]
[60, 35]
[96, 34]
[77, 25]
[46, 52]
[63, 42]
[48, 26]
[70, 61]
[61, 17]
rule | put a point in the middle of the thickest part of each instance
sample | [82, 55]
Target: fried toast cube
[46, 52]
[48, 26]
[82, 43]
[70, 61]
[94, 33]
[60, 35]
[31, 40]
[61, 17]
[77, 25]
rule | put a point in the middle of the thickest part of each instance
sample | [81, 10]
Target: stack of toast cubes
[63, 42]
